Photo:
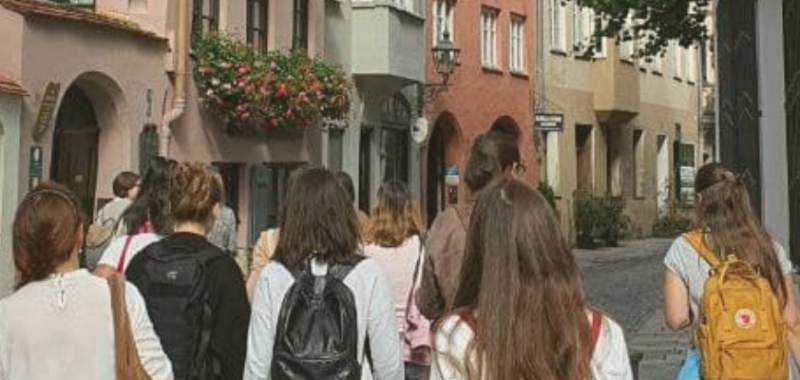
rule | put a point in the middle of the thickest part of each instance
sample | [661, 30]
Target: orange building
[490, 88]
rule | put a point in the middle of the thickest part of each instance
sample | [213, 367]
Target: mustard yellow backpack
[741, 334]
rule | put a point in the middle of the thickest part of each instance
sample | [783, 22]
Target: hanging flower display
[255, 92]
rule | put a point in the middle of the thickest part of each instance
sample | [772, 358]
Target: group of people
[491, 292]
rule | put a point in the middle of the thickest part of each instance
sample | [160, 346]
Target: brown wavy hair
[725, 213]
[395, 216]
[194, 193]
[318, 220]
[521, 286]
[47, 231]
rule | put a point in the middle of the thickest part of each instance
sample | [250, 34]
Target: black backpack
[317, 335]
[173, 285]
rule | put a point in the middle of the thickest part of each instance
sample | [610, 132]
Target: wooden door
[75, 147]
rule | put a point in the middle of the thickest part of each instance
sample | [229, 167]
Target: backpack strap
[597, 324]
[121, 262]
[697, 240]
[341, 270]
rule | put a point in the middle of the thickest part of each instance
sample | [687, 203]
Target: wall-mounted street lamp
[445, 57]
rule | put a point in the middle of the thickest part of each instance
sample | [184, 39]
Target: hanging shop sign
[47, 107]
[549, 122]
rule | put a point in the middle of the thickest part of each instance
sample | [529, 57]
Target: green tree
[653, 23]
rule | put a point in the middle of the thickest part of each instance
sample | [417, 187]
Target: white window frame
[442, 15]
[658, 64]
[489, 37]
[516, 47]
[558, 27]
[602, 51]
[627, 48]
[584, 24]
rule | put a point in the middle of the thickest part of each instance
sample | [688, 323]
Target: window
[690, 63]
[677, 60]
[489, 37]
[638, 163]
[626, 48]
[584, 24]
[558, 34]
[205, 17]
[257, 11]
[600, 44]
[442, 20]
[300, 36]
[658, 63]
[517, 44]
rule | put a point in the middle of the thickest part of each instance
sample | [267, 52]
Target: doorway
[583, 151]
[76, 142]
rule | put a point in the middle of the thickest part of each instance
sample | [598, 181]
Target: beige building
[629, 126]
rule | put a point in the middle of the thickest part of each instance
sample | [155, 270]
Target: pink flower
[244, 69]
[273, 122]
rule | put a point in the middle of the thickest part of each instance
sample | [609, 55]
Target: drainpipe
[179, 96]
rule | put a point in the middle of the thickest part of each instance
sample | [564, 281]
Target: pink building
[100, 79]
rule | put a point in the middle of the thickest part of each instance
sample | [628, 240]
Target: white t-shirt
[114, 251]
[374, 307]
[609, 362]
[63, 328]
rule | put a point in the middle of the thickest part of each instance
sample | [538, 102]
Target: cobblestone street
[625, 282]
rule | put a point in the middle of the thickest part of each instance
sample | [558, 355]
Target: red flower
[281, 90]
[244, 69]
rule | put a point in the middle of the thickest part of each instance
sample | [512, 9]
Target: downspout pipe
[179, 95]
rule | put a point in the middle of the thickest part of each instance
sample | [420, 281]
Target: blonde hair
[394, 218]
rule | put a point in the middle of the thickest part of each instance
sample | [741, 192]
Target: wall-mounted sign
[549, 122]
[35, 167]
[47, 107]
[451, 175]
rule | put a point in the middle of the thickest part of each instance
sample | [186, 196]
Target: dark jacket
[444, 251]
[226, 297]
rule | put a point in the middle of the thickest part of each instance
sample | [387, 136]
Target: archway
[442, 151]
[76, 143]
[508, 125]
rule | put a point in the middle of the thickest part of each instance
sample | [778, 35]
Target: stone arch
[88, 131]
[507, 124]
[444, 148]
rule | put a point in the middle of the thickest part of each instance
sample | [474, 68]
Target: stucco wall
[617, 97]
[10, 106]
[115, 69]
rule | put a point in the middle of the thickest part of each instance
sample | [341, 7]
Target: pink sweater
[397, 264]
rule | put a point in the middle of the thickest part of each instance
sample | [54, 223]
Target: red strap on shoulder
[121, 262]
[597, 323]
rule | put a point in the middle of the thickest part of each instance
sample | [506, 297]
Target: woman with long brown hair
[727, 225]
[321, 332]
[519, 311]
[393, 238]
[59, 324]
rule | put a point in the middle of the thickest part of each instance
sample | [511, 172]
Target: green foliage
[281, 90]
[671, 225]
[599, 220]
[654, 23]
[548, 193]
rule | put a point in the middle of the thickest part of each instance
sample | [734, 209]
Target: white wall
[10, 107]
[775, 185]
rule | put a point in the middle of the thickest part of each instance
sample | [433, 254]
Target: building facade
[490, 89]
[380, 43]
[11, 96]
[629, 126]
[101, 77]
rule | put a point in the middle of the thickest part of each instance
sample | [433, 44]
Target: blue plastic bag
[691, 366]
